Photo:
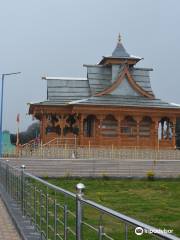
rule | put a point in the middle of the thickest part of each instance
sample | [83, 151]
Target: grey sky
[56, 37]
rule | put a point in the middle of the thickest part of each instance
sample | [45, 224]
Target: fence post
[22, 188]
[7, 176]
[89, 149]
[79, 215]
[35, 213]
[65, 222]
[1, 176]
[112, 152]
[101, 232]
[41, 147]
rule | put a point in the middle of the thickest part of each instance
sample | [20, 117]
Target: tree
[24, 137]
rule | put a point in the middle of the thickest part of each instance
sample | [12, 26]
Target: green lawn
[156, 202]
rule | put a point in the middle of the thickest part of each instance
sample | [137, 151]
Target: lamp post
[1, 112]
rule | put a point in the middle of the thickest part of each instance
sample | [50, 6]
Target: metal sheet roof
[64, 91]
[142, 78]
[111, 100]
[99, 78]
[71, 88]
[120, 51]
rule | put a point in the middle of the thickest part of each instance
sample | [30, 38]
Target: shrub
[45, 176]
[150, 175]
[105, 176]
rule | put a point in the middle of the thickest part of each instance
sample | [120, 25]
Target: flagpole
[17, 135]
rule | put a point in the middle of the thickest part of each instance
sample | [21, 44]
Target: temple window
[165, 129]
[89, 126]
[145, 127]
[129, 127]
[109, 127]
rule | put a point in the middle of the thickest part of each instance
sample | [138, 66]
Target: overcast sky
[56, 37]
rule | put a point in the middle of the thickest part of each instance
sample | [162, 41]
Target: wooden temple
[114, 105]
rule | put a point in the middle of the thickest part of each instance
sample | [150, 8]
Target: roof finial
[119, 38]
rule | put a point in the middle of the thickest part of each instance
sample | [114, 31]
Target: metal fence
[62, 215]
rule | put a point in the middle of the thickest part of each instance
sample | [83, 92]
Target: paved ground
[7, 229]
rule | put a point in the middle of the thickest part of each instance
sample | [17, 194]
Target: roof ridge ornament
[119, 38]
[120, 51]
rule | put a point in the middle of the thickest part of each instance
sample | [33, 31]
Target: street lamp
[1, 113]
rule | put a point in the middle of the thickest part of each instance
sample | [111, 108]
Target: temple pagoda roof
[115, 81]
[109, 100]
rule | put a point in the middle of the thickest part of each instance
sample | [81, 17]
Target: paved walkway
[7, 229]
[98, 167]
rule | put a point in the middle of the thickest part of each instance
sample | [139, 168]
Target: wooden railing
[63, 151]
[64, 148]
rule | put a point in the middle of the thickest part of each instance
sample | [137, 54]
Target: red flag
[17, 136]
[18, 118]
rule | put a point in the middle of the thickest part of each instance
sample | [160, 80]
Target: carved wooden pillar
[100, 137]
[81, 128]
[96, 128]
[43, 127]
[138, 120]
[168, 130]
[156, 138]
[120, 118]
[62, 125]
[174, 132]
[162, 130]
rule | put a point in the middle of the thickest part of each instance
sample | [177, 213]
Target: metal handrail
[58, 189]
[40, 206]
[129, 220]
[59, 139]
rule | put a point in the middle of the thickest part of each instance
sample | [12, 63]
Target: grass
[156, 203]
